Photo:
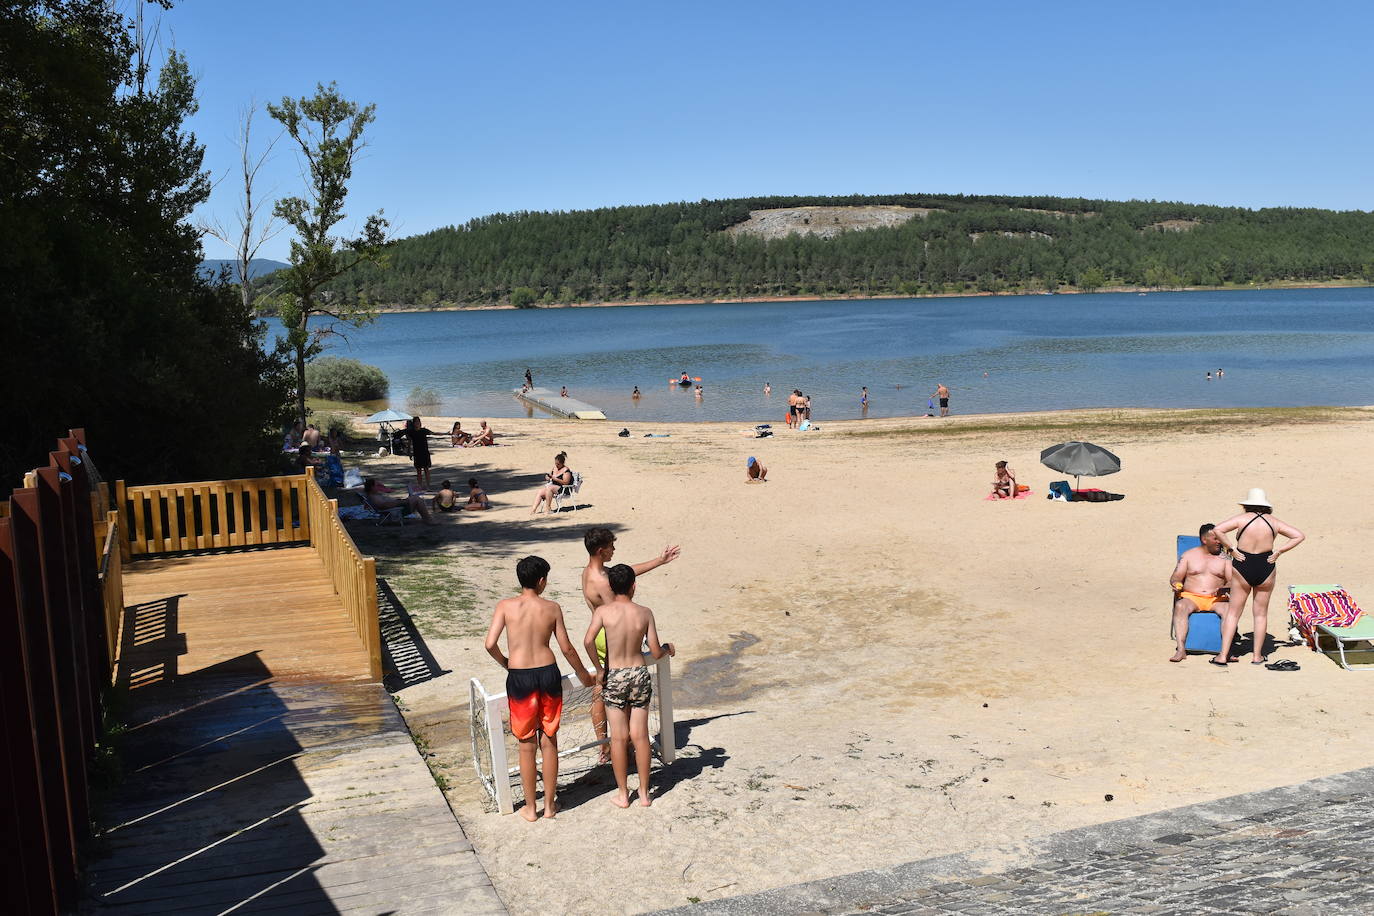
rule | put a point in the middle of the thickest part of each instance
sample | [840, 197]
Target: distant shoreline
[757, 300]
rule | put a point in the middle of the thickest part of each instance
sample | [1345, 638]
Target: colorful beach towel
[1020, 494]
[1329, 609]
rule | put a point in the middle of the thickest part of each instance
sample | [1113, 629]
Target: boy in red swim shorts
[534, 686]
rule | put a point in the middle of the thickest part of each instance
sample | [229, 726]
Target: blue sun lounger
[1204, 627]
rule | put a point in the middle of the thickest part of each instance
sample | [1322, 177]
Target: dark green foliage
[681, 250]
[332, 422]
[107, 323]
[340, 379]
[522, 297]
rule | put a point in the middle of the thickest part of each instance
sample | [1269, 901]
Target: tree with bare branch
[328, 129]
[252, 230]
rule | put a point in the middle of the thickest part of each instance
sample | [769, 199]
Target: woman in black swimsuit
[1254, 557]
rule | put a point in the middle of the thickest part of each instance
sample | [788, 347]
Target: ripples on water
[1278, 348]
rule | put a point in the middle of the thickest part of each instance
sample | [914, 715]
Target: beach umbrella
[388, 416]
[1081, 459]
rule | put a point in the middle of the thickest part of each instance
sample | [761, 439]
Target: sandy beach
[876, 664]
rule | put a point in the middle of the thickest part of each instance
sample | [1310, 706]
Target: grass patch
[359, 407]
[1128, 422]
[435, 593]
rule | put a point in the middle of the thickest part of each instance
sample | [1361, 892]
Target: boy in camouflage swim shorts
[627, 683]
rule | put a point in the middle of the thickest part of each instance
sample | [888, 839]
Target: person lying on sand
[534, 686]
[596, 591]
[1201, 580]
[381, 502]
[1004, 483]
[755, 471]
[477, 497]
[626, 682]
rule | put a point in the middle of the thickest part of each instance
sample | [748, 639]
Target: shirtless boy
[627, 684]
[1201, 580]
[534, 687]
[596, 589]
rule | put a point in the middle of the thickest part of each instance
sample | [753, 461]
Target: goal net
[495, 752]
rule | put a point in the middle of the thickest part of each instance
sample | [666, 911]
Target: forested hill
[942, 243]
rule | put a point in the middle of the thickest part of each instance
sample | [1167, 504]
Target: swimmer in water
[698, 392]
[635, 394]
[767, 388]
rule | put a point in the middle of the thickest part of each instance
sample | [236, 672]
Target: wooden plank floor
[262, 772]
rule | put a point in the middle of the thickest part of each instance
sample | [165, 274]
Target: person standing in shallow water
[942, 393]
[529, 379]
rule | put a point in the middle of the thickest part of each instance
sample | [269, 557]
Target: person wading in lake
[1254, 558]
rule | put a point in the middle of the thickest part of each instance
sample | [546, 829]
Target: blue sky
[513, 106]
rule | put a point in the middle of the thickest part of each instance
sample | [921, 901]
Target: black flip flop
[1213, 661]
[1286, 665]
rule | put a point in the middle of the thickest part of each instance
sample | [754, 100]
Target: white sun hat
[1256, 498]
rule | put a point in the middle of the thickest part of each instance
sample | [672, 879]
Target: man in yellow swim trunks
[1201, 580]
[596, 589]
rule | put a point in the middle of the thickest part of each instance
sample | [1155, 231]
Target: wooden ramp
[262, 771]
[551, 401]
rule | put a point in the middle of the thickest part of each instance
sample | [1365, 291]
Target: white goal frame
[486, 709]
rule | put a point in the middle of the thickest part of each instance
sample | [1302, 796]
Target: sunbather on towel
[1004, 483]
[1201, 580]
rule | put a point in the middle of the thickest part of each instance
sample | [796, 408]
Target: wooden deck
[262, 770]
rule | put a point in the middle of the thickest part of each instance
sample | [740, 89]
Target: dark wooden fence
[55, 656]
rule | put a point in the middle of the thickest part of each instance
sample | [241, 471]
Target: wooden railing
[174, 517]
[112, 583]
[354, 575]
[54, 670]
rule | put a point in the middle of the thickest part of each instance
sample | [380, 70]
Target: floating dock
[551, 401]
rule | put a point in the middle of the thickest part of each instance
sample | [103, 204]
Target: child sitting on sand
[626, 683]
[755, 471]
[534, 686]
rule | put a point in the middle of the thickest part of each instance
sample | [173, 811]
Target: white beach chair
[568, 493]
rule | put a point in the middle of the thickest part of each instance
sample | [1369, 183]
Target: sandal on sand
[1213, 661]
[1286, 665]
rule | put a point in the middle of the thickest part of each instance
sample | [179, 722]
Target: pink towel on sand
[1022, 495]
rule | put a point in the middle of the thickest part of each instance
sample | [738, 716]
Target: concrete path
[1299, 850]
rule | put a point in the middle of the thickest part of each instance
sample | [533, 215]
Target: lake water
[1003, 353]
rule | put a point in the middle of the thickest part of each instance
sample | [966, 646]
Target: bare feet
[527, 812]
[1179, 656]
[550, 808]
[620, 800]
[644, 799]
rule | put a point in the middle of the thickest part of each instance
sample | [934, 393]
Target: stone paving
[1300, 859]
[1297, 850]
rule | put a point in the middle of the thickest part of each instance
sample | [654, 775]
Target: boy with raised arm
[596, 591]
[534, 686]
[626, 684]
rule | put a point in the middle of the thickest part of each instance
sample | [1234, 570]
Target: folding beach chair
[381, 516]
[1327, 612]
[568, 493]
[1204, 627]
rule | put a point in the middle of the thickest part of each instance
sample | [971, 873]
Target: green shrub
[522, 297]
[331, 422]
[341, 379]
[421, 396]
